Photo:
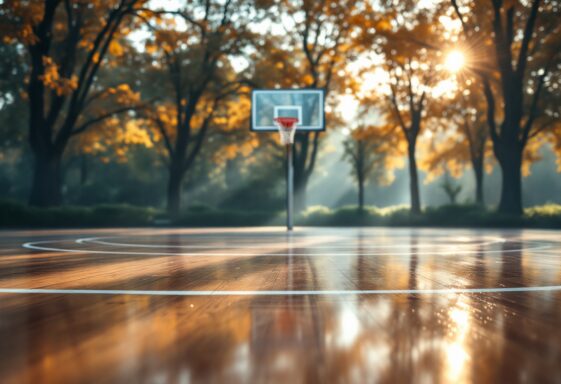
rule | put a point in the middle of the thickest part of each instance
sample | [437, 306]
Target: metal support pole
[289, 187]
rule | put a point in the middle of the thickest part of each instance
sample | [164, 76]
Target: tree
[199, 78]
[451, 189]
[67, 43]
[366, 152]
[461, 137]
[523, 58]
[411, 74]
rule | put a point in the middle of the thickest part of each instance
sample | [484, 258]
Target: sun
[455, 61]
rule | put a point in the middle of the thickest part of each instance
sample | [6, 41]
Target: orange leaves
[124, 95]
[133, 134]
[116, 49]
[383, 25]
[150, 47]
[229, 151]
[167, 115]
[17, 20]
[50, 76]
[52, 79]
[114, 140]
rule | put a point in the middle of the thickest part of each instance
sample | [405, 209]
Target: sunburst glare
[455, 61]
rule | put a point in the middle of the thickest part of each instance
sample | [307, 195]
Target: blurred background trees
[125, 101]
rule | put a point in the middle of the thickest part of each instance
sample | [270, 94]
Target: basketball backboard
[304, 104]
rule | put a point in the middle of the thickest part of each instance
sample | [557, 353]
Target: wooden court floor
[337, 305]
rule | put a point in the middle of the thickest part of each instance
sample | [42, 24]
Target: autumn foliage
[101, 79]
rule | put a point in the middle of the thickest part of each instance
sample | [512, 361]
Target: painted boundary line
[280, 293]
[38, 245]
[100, 241]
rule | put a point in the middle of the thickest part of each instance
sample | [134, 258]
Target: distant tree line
[167, 90]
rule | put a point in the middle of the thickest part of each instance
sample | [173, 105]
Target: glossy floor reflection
[344, 330]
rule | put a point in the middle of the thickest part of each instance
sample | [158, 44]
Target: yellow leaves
[383, 25]
[229, 151]
[308, 79]
[134, 135]
[114, 140]
[124, 95]
[244, 89]
[86, 45]
[150, 48]
[124, 88]
[72, 83]
[222, 120]
[50, 73]
[116, 49]
[51, 78]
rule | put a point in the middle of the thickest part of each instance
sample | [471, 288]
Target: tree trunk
[300, 184]
[84, 174]
[46, 187]
[478, 173]
[305, 152]
[510, 160]
[361, 194]
[413, 179]
[174, 190]
[299, 196]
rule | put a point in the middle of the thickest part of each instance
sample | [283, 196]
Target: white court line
[99, 240]
[279, 293]
[35, 246]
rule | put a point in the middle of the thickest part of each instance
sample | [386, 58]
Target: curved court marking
[280, 293]
[36, 246]
[100, 241]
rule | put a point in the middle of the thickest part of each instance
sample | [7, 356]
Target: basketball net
[287, 129]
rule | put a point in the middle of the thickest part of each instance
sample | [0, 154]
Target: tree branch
[393, 99]
[81, 128]
[459, 14]
[163, 132]
[528, 32]
[535, 99]
[504, 54]
[510, 26]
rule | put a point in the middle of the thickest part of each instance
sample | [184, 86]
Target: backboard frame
[273, 128]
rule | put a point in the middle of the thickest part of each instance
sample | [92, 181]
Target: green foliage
[17, 215]
[549, 215]
[14, 214]
[228, 218]
[547, 210]
[453, 215]
[262, 194]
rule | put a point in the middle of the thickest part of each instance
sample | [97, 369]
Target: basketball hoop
[287, 129]
[286, 110]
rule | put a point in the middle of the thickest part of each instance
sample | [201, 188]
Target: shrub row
[18, 215]
[14, 214]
